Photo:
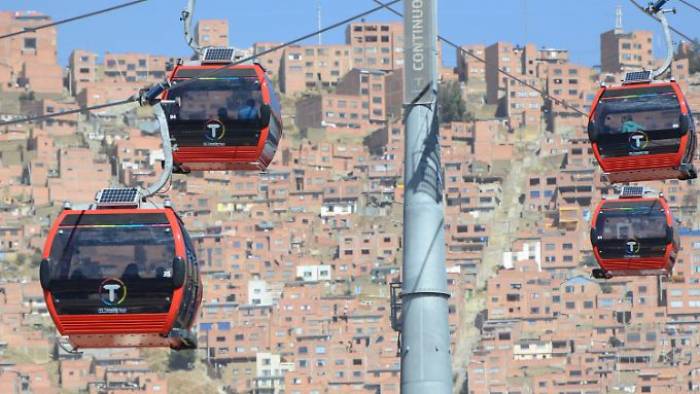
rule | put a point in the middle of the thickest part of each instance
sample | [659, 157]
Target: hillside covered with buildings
[298, 261]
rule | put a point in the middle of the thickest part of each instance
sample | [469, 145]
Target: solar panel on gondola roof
[118, 196]
[637, 77]
[632, 191]
[218, 55]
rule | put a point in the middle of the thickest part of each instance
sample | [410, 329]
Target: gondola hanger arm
[151, 96]
[186, 18]
[656, 10]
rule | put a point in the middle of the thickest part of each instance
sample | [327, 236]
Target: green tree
[181, 359]
[692, 52]
[452, 107]
[694, 57]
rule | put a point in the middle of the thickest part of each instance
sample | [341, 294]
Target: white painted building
[259, 293]
[314, 273]
[531, 250]
[270, 371]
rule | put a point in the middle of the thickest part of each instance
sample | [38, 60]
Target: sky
[154, 26]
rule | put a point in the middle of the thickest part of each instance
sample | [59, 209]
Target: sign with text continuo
[420, 57]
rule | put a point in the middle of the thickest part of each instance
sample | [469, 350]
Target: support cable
[75, 18]
[696, 8]
[139, 98]
[673, 29]
[68, 112]
[289, 43]
[500, 70]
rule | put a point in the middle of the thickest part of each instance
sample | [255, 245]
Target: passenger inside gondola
[632, 236]
[234, 101]
[202, 99]
[638, 221]
[642, 227]
[222, 119]
[249, 111]
[85, 252]
[222, 114]
[650, 109]
[131, 272]
[629, 125]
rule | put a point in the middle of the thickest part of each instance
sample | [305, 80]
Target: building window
[30, 43]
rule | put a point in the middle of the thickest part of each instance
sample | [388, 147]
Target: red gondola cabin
[643, 130]
[222, 117]
[118, 276]
[633, 236]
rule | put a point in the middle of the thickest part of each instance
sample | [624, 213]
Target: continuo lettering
[417, 35]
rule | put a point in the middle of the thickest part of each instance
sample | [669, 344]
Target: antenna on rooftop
[318, 17]
[618, 20]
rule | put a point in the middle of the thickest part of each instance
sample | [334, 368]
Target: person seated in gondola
[77, 274]
[249, 111]
[629, 125]
[223, 114]
[86, 270]
[131, 272]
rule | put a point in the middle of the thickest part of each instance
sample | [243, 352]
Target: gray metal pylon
[425, 346]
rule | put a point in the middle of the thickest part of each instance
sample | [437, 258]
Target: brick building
[626, 51]
[364, 99]
[376, 45]
[211, 33]
[29, 60]
[468, 68]
[313, 67]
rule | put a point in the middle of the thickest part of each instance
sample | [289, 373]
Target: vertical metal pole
[425, 344]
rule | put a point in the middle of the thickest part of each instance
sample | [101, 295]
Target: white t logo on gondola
[638, 141]
[213, 127]
[632, 247]
[112, 289]
[215, 130]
